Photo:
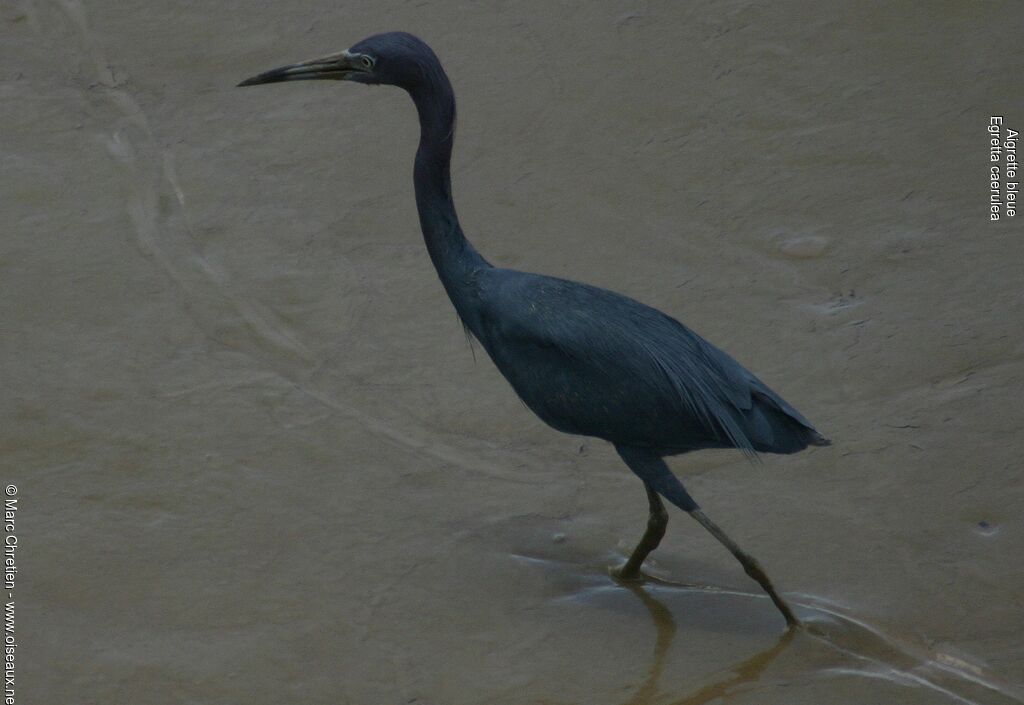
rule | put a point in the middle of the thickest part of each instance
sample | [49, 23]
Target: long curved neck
[453, 256]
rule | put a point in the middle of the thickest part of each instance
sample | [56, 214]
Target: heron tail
[816, 439]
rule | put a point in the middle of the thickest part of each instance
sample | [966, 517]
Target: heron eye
[367, 62]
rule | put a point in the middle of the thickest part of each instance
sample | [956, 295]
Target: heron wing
[607, 336]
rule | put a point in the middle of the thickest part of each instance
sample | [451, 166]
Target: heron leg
[749, 563]
[657, 520]
[651, 468]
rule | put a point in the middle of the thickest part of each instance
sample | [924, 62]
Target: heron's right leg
[657, 520]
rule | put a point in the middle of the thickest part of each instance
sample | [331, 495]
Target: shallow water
[258, 462]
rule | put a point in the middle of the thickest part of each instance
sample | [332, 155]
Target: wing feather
[614, 337]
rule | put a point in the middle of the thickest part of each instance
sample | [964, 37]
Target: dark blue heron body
[586, 360]
[592, 362]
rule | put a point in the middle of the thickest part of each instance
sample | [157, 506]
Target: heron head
[393, 58]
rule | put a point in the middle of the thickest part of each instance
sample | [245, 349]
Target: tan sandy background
[258, 462]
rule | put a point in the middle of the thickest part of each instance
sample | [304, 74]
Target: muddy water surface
[259, 463]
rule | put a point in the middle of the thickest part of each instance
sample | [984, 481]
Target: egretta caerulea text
[586, 360]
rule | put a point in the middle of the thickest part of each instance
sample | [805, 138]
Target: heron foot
[627, 573]
[657, 520]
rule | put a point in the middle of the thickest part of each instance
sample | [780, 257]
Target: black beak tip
[272, 76]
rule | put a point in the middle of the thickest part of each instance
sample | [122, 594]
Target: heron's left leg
[657, 520]
[749, 563]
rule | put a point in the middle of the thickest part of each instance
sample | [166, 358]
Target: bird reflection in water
[748, 671]
[829, 645]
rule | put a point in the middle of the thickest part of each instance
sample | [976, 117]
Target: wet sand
[259, 463]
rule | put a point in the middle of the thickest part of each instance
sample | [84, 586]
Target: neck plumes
[453, 256]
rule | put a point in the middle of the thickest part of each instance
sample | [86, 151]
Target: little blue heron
[586, 360]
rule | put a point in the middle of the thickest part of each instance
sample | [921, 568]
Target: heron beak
[335, 67]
